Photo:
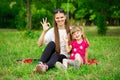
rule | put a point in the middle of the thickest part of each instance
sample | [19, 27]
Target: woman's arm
[41, 40]
[45, 26]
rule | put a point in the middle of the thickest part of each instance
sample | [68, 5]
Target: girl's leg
[48, 51]
[74, 63]
[71, 62]
[77, 62]
[79, 58]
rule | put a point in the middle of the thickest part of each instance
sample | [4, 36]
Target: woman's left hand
[45, 24]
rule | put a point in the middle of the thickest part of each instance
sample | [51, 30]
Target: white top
[49, 36]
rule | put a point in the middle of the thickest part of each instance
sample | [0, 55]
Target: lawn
[15, 45]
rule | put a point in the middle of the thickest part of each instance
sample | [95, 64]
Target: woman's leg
[65, 62]
[47, 58]
[48, 51]
[53, 59]
[61, 57]
[59, 64]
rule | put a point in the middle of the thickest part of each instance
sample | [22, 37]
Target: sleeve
[71, 43]
[48, 36]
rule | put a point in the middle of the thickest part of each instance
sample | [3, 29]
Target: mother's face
[60, 18]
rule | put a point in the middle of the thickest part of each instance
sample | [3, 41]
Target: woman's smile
[60, 19]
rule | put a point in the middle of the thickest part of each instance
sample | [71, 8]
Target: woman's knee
[51, 43]
[64, 60]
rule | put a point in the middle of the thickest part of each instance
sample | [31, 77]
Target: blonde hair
[77, 28]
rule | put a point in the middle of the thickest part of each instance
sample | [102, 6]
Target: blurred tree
[21, 17]
[93, 10]
[114, 13]
[29, 22]
[70, 9]
[7, 14]
[21, 13]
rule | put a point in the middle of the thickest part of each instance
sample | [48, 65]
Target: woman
[55, 49]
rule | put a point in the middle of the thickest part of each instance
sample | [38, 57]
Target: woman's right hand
[45, 24]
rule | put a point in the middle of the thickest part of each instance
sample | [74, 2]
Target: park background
[20, 29]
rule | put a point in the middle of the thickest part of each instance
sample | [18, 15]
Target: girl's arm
[86, 57]
[86, 53]
[68, 47]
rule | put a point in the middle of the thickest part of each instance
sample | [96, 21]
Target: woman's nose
[59, 19]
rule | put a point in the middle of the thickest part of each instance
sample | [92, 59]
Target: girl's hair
[77, 28]
[57, 38]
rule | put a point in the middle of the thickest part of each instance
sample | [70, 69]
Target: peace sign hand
[45, 24]
[66, 39]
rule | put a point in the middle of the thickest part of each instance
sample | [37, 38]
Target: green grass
[14, 45]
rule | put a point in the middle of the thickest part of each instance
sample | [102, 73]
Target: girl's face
[77, 35]
[60, 18]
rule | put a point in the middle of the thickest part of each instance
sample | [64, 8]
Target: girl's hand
[87, 63]
[66, 38]
[45, 24]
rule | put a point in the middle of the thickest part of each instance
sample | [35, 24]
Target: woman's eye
[61, 17]
[57, 18]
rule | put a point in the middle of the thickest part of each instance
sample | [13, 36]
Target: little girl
[77, 48]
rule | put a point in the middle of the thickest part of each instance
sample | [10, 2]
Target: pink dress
[79, 48]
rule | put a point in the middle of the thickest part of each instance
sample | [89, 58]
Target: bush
[100, 22]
